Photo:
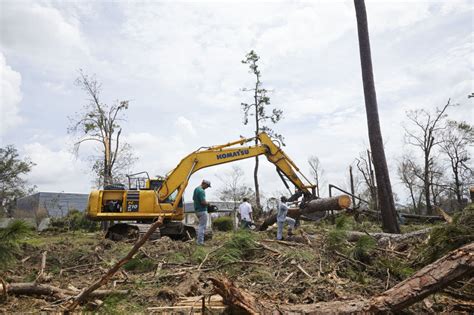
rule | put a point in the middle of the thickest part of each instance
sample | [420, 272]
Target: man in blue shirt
[200, 207]
[282, 218]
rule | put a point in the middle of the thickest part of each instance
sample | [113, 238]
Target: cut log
[430, 279]
[318, 205]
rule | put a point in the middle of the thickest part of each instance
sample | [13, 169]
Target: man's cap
[205, 181]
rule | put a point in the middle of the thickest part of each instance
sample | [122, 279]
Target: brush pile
[321, 263]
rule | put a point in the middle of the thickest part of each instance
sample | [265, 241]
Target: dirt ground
[317, 264]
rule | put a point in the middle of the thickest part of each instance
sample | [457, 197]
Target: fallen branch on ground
[31, 288]
[430, 279]
[84, 294]
[43, 266]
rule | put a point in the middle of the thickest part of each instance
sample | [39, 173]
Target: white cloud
[10, 96]
[41, 34]
[57, 170]
[185, 124]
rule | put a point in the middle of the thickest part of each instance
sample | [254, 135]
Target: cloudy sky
[179, 65]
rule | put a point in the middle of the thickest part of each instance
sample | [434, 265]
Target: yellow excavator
[163, 197]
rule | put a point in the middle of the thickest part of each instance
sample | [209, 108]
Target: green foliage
[398, 268]
[111, 304]
[223, 224]
[74, 221]
[78, 221]
[363, 248]
[10, 238]
[447, 237]
[342, 222]
[199, 254]
[336, 239]
[176, 257]
[12, 171]
[139, 264]
[239, 247]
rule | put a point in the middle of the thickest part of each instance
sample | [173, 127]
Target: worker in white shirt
[245, 212]
[282, 218]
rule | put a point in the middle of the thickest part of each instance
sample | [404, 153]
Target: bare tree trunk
[385, 196]
[257, 187]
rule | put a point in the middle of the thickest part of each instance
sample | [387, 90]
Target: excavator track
[130, 231]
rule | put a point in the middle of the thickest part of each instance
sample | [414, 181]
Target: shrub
[448, 237]
[74, 221]
[9, 240]
[363, 248]
[239, 247]
[224, 224]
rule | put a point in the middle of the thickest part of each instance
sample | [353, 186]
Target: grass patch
[199, 254]
[176, 258]
[260, 275]
[300, 255]
[139, 265]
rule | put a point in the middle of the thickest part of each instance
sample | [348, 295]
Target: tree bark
[321, 204]
[385, 196]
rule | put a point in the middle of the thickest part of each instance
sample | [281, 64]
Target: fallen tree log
[31, 288]
[407, 216]
[318, 205]
[384, 238]
[430, 279]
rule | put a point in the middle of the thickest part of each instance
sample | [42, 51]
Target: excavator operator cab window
[155, 184]
[137, 183]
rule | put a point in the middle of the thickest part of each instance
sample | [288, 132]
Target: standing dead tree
[258, 109]
[365, 167]
[100, 122]
[316, 172]
[456, 139]
[384, 187]
[409, 174]
[425, 137]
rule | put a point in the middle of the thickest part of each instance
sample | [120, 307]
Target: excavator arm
[178, 178]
